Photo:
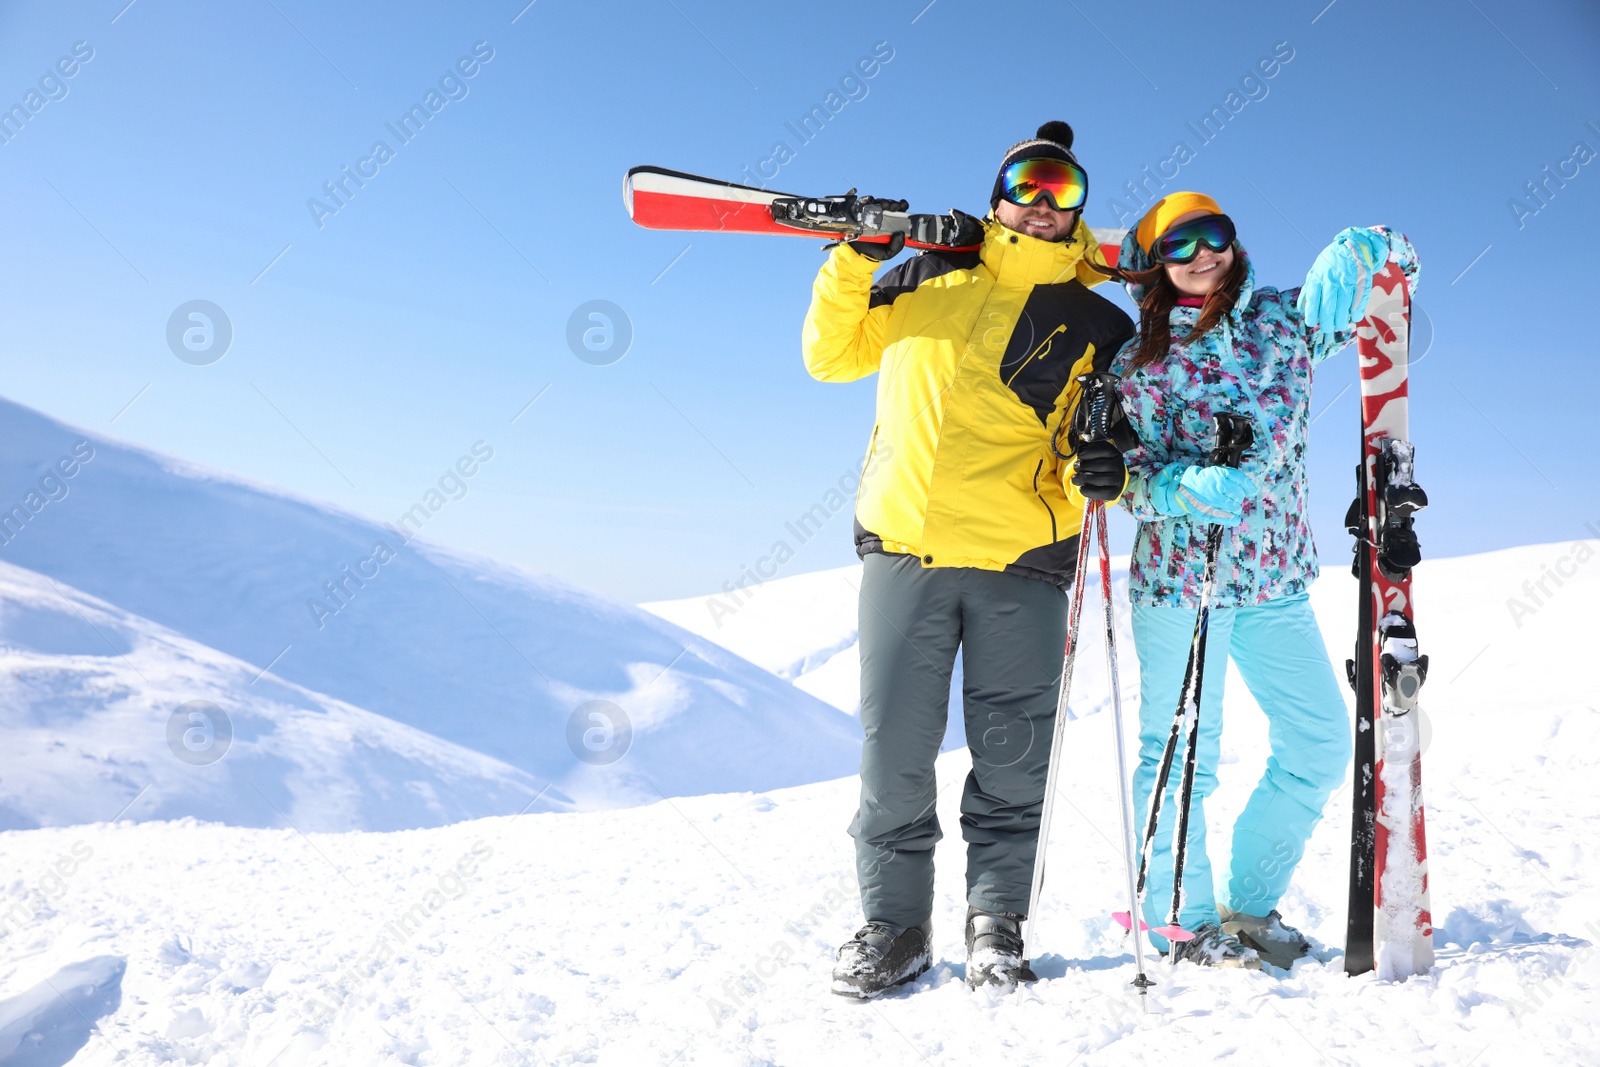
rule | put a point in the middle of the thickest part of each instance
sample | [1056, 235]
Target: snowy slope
[795, 627]
[790, 626]
[804, 628]
[98, 705]
[486, 656]
[701, 930]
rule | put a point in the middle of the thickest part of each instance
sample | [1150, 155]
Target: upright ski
[1390, 925]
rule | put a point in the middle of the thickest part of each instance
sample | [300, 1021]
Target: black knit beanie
[1052, 141]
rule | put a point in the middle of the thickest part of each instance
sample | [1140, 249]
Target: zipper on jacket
[866, 465]
[1048, 511]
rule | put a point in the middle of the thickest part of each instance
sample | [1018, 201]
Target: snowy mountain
[117, 716]
[702, 930]
[605, 702]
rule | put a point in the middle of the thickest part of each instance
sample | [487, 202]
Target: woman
[1211, 341]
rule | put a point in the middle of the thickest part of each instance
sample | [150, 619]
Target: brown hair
[1155, 328]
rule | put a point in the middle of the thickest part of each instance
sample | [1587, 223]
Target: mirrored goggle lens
[1181, 244]
[1032, 180]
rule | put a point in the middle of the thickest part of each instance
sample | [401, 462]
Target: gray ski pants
[1011, 632]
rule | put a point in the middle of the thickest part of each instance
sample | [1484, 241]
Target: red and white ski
[1390, 925]
[660, 199]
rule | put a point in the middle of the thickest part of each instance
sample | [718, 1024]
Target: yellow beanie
[1160, 217]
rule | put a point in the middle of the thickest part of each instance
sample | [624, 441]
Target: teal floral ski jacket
[1257, 362]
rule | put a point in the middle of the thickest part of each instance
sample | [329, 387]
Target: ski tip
[1123, 920]
[1175, 933]
[1110, 242]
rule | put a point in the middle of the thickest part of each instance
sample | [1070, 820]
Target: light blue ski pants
[1280, 654]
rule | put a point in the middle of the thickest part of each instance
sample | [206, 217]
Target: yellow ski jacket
[977, 355]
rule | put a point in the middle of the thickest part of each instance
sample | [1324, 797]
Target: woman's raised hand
[1335, 293]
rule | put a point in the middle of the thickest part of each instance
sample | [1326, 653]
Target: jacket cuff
[1075, 496]
[1164, 491]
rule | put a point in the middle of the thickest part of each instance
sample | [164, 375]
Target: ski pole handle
[1097, 403]
[1091, 417]
[1235, 435]
[1098, 415]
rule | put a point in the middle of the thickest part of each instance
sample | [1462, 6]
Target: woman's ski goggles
[1182, 243]
[1029, 181]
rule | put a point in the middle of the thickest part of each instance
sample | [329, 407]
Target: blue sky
[371, 351]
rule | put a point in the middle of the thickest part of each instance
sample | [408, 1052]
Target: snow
[1401, 919]
[47, 1025]
[479, 655]
[701, 929]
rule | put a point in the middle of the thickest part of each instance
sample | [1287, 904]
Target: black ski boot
[880, 957]
[994, 950]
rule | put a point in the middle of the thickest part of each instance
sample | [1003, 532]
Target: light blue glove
[1334, 296]
[1214, 494]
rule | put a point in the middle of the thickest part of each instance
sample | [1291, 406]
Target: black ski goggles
[1181, 244]
[1029, 181]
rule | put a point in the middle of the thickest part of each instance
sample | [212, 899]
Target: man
[968, 539]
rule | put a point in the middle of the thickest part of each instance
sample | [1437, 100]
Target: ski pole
[1069, 660]
[1234, 437]
[1074, 615]
[1098, 409]
[1124, 798]
[1098, 427]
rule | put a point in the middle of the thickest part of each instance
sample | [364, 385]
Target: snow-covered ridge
[602, 702]
[118, 717]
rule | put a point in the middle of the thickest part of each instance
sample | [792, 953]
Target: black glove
[1100, 471]
[880, 250]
